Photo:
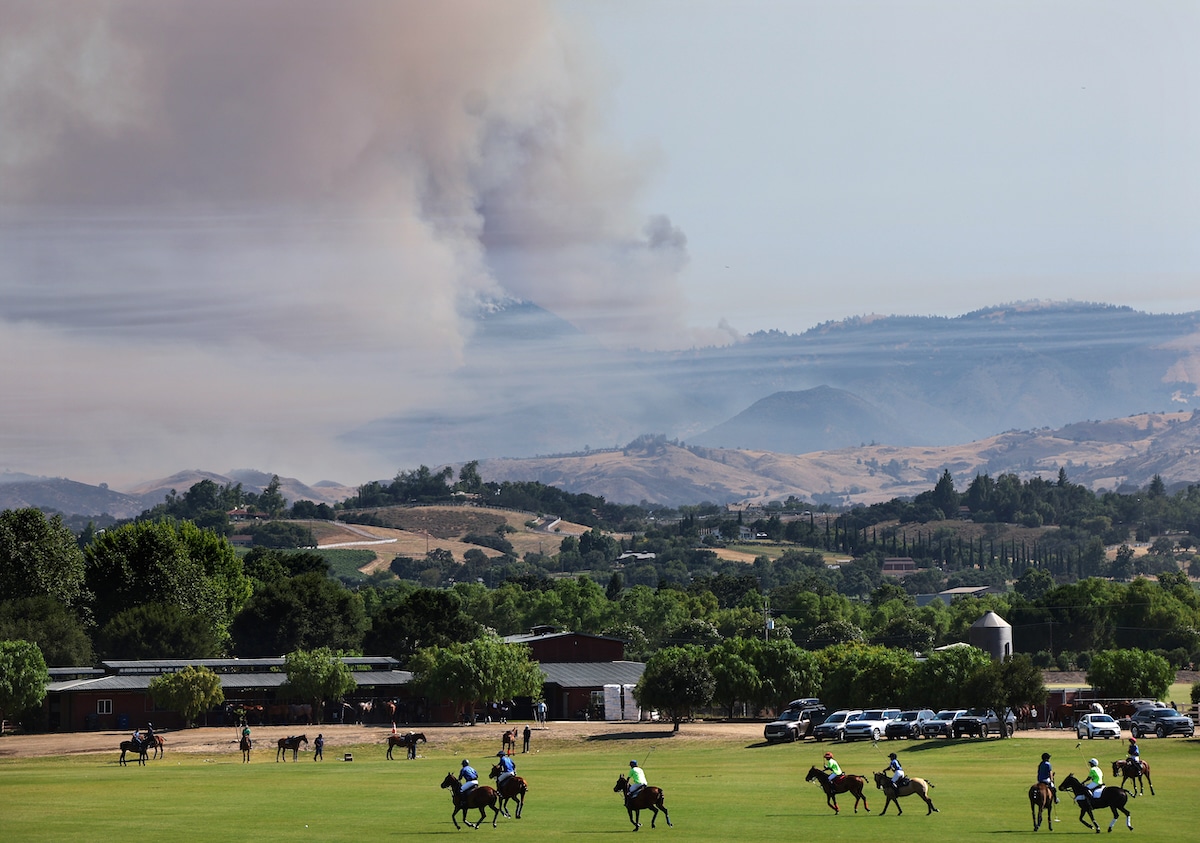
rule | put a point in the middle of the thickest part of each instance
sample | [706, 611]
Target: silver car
[835, 724]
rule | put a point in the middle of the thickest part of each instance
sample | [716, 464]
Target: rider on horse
[637, 778]
[467, 776]
[507, 768]
[834, 769]
[894, 770]
[1135, 754]
[1045, 775]
[1095, 779]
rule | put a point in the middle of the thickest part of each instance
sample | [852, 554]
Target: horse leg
[663, 807]
[929, 802]
[1084, 810]
[653, 815]
[454, 816]
[520, 804]
[635, 816]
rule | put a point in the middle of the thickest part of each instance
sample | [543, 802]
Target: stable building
[115, 695]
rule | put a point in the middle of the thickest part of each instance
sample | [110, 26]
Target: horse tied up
[291, 742]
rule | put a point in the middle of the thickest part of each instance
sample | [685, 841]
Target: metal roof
[592, 674]
[527, 637]
[229, 681]
[260, 665]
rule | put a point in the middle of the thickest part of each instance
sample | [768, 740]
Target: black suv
[1161, 722]
[981, 722]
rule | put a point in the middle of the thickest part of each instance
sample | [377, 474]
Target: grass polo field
[722, 785]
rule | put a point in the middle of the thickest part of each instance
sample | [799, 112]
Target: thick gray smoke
[230, 229]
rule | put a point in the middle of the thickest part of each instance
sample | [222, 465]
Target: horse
[364, 710]
[508, 741]
[648, 797]
[139, 747]
[842, 784]
[300, 712]
[291, 742]
[481, 796]
[893, 792]
[1136, 770]
[245, 744]
[1063, 717]
[409, 740]
[1041, 799]
[155, 743]
[1113, 798]
[1121, 710]
[513, 787]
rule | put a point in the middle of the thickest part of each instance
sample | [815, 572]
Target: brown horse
[1136, 770]
[409, 740]
[245, 744]
[1063, 717]
[1113, 798]
[481, 796]
[842, 784]
[1041, 800]
[893, 792]
[508, 741]
[513, 787]
[155, 743]
[646, 798]
[291, 742]
[139, 747]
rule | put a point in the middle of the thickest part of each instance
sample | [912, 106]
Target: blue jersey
[507, 765]
[468, 774]
[1044, 772]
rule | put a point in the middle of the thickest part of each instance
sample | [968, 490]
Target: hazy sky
[232, 229]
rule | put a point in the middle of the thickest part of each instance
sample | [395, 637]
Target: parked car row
[807, 717]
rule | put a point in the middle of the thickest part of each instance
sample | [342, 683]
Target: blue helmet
[632, 763]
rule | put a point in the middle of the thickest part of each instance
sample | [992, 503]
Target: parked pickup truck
[981, 722]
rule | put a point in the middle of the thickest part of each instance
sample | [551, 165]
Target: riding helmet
[828, 754]
[1133, 740]
[1092, 762]
[466, 763]
[500, 754]
[1045, 756]
[632, 763]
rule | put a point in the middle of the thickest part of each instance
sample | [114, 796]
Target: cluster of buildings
[587, 676]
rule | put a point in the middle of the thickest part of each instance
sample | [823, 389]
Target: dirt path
[219, 740]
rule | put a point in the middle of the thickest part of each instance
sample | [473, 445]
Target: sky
[230, 231]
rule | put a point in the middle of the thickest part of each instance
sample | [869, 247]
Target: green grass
[344, 562]
[716, 791]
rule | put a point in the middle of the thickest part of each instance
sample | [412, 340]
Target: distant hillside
[818, 419]
[529, 387]
[1127, 454]
[72, 498]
